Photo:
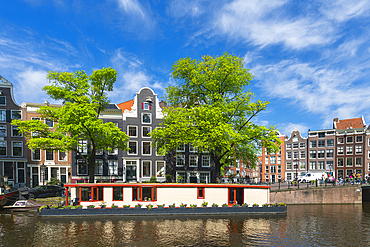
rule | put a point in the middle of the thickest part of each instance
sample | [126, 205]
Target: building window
[200, 193]
[146, 130]
[302, 165]
[321, 165]
[160, 172]
[113, 151]
[146, 148]
[302, 145]
[2, 130]
[267, 169]
[192, 148]
[15, 131]
[321, 143]
[113, 167]
[340, 150]
[266, 159]
[3, 148]
[358, 149]
[204, 177]
[312, 165]
[329, 165]
[289, 155]
[98, 167]
[279, 169]
[340, 140]
[349, 149]
[82, 148]
[193, 160]
[49, 155]
[206, 161]
[358, 161]
[180, 160]
[288, 146]
[273, 169]
[295, 145]
[312, 154]
[181, 148]
[321, 134]
[17, 149]
[273, 159]
[36, 155]
[146, 169]
[330, 143]
[340, 162]
[312, 144]
[16, 114]
[2, 101]
[62, 156]
[49, 122]
[2, 116]
[329, 153]
[349, 161]
[320, 154]
[303, 154]
[289, 165]
[146, 118]
[349, 172]
[132, 131]
[295, 155]
[81, 167]
[349, 139]
[117, 193]
[279, 159]
[289, 176]
[146, 106]
[132, 147]
[358, 139]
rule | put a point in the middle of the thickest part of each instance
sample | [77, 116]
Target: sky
[310, 59]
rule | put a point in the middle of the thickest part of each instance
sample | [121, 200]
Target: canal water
[303, 225]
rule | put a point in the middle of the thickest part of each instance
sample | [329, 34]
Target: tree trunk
[217, 170]
[92, 167]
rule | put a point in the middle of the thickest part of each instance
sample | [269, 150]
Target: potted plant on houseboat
[282, 204]
[114, 206]
[149, 206]
[91, 206]
[245, 205]
[161, 206]
[225, 205]
[214, 205]
[183, 205]
[255, 205]
[265, 205]
[172, 206]
[193, 206]
[126, 206]
[78, 207]
[204, 204]
[235, 205]
[103, 205]
[138, 206]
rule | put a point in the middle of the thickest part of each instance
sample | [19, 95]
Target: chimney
[336, 119]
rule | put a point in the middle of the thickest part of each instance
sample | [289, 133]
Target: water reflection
[308, 225]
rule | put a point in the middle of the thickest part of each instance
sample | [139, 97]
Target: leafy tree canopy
[84, 98]
[210, 107]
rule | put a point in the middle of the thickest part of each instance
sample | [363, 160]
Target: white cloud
[132, 7]
[287, 128]
[343, 10]
[29, 86]
[182, 8]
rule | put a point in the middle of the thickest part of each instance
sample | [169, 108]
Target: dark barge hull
[8, 199]
[163, 211]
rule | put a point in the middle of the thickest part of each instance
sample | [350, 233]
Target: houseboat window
[200, 193]
[117, 193]
[85, 194]
[98, 194]
[144, 193]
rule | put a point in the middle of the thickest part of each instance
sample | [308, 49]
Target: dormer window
[2, 101]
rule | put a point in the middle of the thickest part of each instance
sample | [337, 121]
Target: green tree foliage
[210, 107]
[84, 97]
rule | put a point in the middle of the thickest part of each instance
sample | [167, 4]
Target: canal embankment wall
[319, 195]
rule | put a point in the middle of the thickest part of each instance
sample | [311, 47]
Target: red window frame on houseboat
[139, 195]
[201, 193]
[95, 194]
[113, 193]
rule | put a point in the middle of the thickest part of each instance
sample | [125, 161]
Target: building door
[273, 179]
[193, 179]
[130, 170]
[236, 196]
[63, 175]
[35, 176]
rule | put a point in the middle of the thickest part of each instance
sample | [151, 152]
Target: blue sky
[310, 59]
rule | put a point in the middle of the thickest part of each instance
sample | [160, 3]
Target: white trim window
[279, 159]
[312, 165]
[82, 148]
[145, 130]
[180, 160]
[15, 131]
[273, 160]
[132, 145]
[49, 155]
[132, 131]
[321, 154]
[193, 161]
[303, 154]
[81, 167]
[358, 139]
[321, 165]
[289, 155]
[206, 161]
[340, 150]
[49, 122]
[62, 155]
[146, 118]
[146, 147]
[98, 167]
[192, 148]
[266, 159]
[340, 162]
[113, 167]
[114, 151]
[146, 168]
[3, 116]
[3, 148]
[2, 100]
[160, 169]
[180, 148]
[349, 149]
[358, 161]
[329, 153]
[36, 155]
[330, 143]
[358, 149]
[16, 114]
[312, 154]
[2, 130]
[349, 161]
[349, 139]
[289, 165]
[17, 148]
[302, 165]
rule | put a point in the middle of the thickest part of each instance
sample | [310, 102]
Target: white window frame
[82, 149]
[192, 149]
[6, 148]
[11, 116]
[178, 158]
[52, 151]
[32, 156]
[349, 141]
[340, 148]
[142, 168]
[12, 129]
[349, 149]
[330, 151]
[303, 154]
[206, 161]
[142, 117]
[4, 100]
[192, 158]
[347, 162]
[181, 148]
[115, 167]
[13, 148]
[342, 158]
[128, 131]
[78, 165]
[5, 127]
[1, 111]
[362, 139]
[359, 148]
[128, 151]
[150, 148]
[52, 121]
[356, 162]
[142, 131]
[99, 164]
[66, 156]
[164, 168]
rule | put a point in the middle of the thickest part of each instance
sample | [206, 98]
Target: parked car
[312, 176]
[43, 191]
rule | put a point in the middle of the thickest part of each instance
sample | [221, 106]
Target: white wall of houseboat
[178, 195]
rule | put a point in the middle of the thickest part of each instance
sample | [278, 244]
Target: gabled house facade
[296, 155]
[273, 164]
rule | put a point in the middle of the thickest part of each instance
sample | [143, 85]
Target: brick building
[273, 164]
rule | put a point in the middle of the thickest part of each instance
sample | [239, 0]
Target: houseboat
[132, 194]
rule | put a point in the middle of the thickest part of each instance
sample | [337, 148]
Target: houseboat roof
[188, 185]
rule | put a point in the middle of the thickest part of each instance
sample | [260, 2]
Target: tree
[78, 127]
[210, 108]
